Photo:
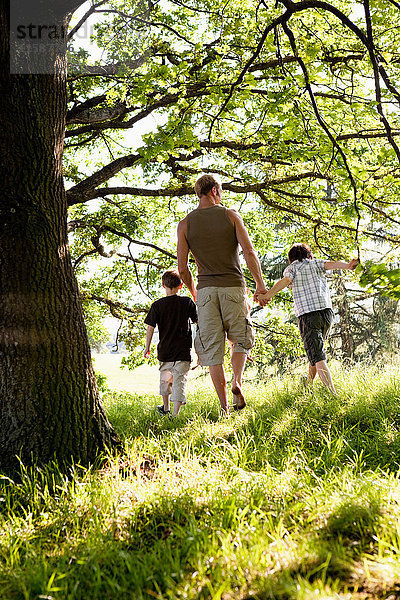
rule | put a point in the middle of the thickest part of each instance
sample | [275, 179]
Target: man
[213, 233]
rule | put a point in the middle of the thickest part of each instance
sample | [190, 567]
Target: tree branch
[192, 91]
[109, 70]
[281, 19]
[324, 126]
[113, 305]
[77, 192]
[318, 221]
[84, 113]
[73, 225]
[185, 190]
[375, 66]
[84, 18]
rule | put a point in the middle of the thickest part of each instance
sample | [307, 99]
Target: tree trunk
[49, 400]
[343, 308]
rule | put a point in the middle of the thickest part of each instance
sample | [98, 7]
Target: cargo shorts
[223, 312]
[314, 329]
[173, 376]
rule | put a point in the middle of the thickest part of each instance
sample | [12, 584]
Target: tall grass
[296, 497]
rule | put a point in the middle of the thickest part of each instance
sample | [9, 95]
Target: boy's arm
[330, 265]
[149, 336]
[279, 285]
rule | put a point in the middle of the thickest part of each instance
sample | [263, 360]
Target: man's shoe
[162, 410]
[238, 399]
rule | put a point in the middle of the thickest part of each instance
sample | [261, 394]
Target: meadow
[296, 497]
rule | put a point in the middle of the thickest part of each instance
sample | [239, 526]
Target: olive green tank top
[212, 241]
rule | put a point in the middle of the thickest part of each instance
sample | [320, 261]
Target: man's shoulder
[182, 225]
[233, 216]
[232, 212]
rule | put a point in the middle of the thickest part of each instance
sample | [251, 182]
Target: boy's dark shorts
[314, 328]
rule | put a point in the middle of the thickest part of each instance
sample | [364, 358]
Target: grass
[296, 497]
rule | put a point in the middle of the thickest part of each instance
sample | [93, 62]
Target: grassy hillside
[296, 497]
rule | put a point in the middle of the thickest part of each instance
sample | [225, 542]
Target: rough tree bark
[49, 400]
[346, 331]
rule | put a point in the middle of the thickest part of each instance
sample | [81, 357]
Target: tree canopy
[294, 104]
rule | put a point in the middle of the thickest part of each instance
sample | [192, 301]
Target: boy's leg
[180, 372]
[314, 328]
[312, 371]
[325, 375]
[166, 402]
[165, 384]
[322, 366]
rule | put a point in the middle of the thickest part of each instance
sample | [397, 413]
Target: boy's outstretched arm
[337, 264]
[277, 287]
[149, 336]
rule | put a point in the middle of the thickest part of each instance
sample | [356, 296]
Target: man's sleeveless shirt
[212, 240]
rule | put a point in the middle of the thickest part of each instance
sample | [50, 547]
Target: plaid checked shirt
[309, 285]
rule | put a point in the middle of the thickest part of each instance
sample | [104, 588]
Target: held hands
[262, 297]
[146, 353]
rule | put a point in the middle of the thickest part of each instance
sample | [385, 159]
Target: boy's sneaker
[162, 410]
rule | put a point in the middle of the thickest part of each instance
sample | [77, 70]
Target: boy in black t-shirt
[172, 314]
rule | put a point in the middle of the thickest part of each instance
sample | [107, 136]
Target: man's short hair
[171, 279]
[205, 184]
[299, 252]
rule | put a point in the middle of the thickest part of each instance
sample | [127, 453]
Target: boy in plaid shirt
[312, 304]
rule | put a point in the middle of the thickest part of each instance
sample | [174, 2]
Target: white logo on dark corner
[39, 40]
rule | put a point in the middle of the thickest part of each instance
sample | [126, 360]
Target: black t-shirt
[172, 314]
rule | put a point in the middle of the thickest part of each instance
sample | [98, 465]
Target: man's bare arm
[250, 255]
[183, 259]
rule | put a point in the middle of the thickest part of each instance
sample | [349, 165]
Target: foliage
[297, 497]
[97, 331]
[278, 101]
[382, 278]
[102, 382]
[278, 343]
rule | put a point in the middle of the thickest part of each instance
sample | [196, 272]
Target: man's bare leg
[312, 371]
[238, 360]
[217, 374]
[325, 375]
[177, 408]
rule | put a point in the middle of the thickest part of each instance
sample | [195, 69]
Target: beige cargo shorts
[223, 312]
[173, 376]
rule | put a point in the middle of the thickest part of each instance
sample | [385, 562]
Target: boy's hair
[171, 279]
[299, 252]
[205, 184]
